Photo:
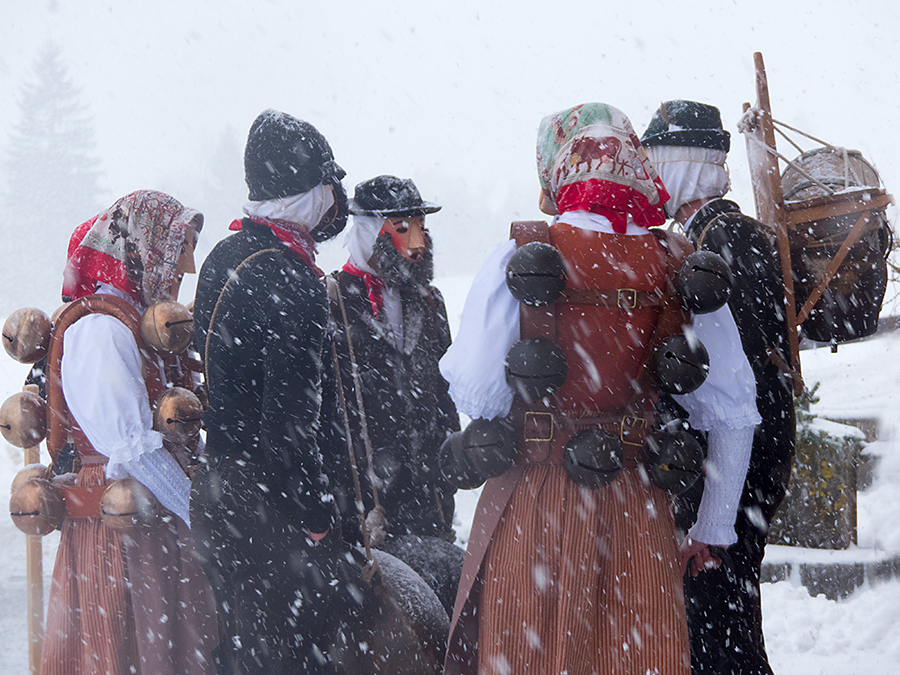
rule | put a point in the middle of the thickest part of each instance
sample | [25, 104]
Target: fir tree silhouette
[51, 183]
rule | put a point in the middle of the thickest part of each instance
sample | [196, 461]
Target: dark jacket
[757, 305]
[264, 365]
[723, 605]
[408, 409]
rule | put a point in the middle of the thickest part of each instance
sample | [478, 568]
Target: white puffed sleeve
[474, 365]
[725, 407]
[103, 384]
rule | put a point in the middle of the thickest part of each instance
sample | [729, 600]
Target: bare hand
[696, 557]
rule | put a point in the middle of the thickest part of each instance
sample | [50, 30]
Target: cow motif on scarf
[590, 159]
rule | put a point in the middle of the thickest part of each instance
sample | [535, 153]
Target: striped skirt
[583, 582]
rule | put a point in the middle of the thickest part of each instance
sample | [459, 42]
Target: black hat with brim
[389, 196]
[687, 124]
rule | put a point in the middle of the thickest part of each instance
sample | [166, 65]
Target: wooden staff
[770, 208]
[35, 576]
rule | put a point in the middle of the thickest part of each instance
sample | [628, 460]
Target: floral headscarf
[134, 246]
[590, 159]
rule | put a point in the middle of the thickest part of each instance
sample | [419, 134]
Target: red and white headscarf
[590, 159]
[133, 246]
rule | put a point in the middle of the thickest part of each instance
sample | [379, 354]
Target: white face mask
[360, 240]
[689, 173]
[305, 209]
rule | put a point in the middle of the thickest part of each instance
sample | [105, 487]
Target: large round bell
[535, 274]
[704, 282]
[30, 472]
[674, 460]
[167, 327]
[394, 625]
[177, 415]
[23, 419]
[36, 507]
[490, 446]
[535, 368]
[456, 467]
[593, 458]
[26, 335]
[680, 365]
[127, 504]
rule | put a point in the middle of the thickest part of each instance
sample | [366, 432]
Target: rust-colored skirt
[123, 605]
[583, 582]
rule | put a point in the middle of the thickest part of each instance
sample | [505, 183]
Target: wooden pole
[771, 211]
[34, 567]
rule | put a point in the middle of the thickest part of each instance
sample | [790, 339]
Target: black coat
[264, 366]
[409, 411]
[723, 606]
[263, 484]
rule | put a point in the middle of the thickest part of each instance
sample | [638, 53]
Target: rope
[803, 133]
[371, 566]
[773, 151]
[357, 388]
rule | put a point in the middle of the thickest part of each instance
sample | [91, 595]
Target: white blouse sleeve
[474, 365]
[103, 384]
[725, 407]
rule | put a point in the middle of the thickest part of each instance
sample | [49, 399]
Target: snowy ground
[805, 635]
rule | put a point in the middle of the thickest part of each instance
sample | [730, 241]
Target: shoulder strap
[212, 316]
[58, 423]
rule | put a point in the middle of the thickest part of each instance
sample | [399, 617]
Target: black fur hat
[389, 196]
[286, 156]
[687, 123]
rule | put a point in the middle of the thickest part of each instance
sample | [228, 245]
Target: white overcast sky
[449, 93]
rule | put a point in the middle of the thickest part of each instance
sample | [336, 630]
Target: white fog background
[449, 94]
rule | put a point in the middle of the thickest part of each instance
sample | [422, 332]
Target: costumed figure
[134, 601]
[265, 521]
[568, 335]
[391, 332]
[688, 147]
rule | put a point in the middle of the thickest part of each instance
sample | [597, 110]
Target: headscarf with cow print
[590, 159]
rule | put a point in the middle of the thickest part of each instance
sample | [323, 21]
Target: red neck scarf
[294, 237]
[374, 286]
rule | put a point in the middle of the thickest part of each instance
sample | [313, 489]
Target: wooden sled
[826, 214]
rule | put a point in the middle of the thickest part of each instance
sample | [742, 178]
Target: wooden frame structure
[783, 217]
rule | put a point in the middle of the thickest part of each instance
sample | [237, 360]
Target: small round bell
[59, 310]
[535, 274]
[167, 327]
[32, 472]
[535, 368]
[704, 282]
[455, 466]
[36, 507]
[490, 446]
[593, 458]
[674, 460]
[23, 419]
[127, 504]
[178, 415]
[680, 365]
[26, 335]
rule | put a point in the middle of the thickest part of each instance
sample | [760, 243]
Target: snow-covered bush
[819, 510]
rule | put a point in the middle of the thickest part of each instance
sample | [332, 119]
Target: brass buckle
[626, 301]
[535, 414]
[636, 423]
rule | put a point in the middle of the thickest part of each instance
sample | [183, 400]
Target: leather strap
[623, 298]
[58, 425]
[82, 502]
